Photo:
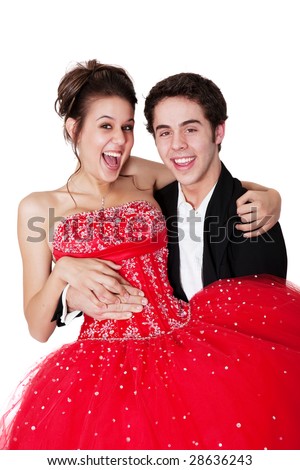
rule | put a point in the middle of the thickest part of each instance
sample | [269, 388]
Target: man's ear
[220, 133]
[71, 128]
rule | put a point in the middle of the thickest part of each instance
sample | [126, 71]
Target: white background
[249, 49]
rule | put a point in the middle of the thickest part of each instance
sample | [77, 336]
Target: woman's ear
[71, 128]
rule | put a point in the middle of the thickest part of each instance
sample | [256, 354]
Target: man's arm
[73, 303]
[111, 296]
[262, 254]
[265, 254]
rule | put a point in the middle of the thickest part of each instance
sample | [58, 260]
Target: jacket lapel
[218, 226]
[167, 198]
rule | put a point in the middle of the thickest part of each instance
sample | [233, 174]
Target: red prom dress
[222, 372]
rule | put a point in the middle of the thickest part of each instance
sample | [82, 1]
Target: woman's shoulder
[39, 202]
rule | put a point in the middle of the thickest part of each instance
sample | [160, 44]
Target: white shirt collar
[183, 202]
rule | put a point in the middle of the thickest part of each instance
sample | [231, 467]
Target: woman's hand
[259, 211]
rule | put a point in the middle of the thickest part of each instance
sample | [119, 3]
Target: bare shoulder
[38, 213]
[148, 173]
[38, 203]
[33, 203]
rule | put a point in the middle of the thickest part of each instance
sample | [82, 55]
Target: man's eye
[189, 130]
[164, 134]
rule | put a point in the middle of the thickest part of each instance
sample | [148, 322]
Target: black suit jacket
[226, 252]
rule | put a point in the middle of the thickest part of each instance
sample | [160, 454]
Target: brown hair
[194, 87]
[83, 84]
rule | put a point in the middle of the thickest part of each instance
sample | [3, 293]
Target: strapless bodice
[134, 236]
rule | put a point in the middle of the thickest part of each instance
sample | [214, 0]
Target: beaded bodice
[134, 236]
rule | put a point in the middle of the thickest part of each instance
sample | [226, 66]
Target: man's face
[185, 142]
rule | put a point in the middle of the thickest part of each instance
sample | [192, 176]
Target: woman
[176, 376]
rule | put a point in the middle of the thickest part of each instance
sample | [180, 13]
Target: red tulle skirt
[228, 379]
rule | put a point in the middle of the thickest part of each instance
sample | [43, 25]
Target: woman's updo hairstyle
[83, 84]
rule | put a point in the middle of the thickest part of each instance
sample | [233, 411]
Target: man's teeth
[181, 161]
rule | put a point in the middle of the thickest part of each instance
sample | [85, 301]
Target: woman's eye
[128, 128]
[106, 126]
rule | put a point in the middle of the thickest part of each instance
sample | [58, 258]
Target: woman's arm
[41, 286]
[259, 209]
[147, 173]
[97, 280]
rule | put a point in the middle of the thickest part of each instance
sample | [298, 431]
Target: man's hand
[122, 307]
[259, 211]
[96, 279]
[98, 290]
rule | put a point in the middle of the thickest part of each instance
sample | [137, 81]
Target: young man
[186, 115]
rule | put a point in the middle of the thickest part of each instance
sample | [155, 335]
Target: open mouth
[112, 159]
[183, 162]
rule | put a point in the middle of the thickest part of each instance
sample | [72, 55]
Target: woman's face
[106, 138]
